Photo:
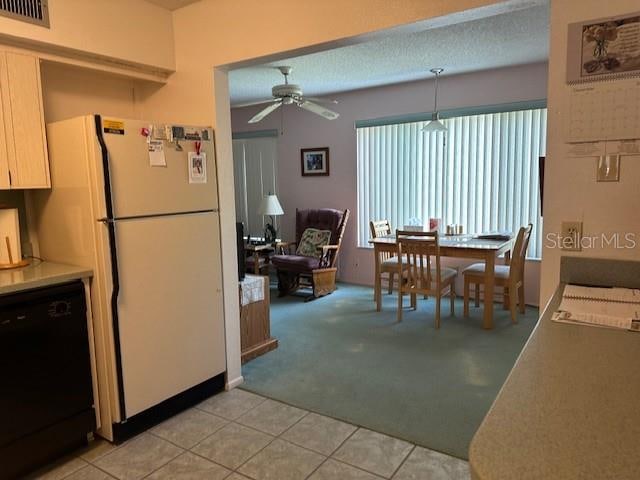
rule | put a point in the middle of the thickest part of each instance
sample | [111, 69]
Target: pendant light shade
[435, 125]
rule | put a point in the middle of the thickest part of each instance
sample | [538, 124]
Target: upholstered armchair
[298, 265]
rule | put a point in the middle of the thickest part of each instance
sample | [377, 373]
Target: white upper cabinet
[24, 160]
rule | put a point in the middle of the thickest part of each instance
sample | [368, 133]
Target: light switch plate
[608, 168]
[571, 236]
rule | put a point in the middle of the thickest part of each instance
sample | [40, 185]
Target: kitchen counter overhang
[40, 274]
[570, 407]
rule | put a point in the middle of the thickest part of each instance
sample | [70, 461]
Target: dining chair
[509, 276]
[389, 266]
[424, 273]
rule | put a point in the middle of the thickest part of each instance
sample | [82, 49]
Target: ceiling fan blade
[318, 110]
[320, 100]
[251, 104]
[263, 113]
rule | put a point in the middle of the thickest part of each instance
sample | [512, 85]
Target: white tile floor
[238, 436]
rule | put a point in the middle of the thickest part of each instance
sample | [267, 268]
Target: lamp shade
[270, 206]
[434, 126]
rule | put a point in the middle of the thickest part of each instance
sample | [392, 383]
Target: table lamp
[270, 206]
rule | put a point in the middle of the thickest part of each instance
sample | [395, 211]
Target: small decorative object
[270, 206]
[414, 225]
[434, 224]
[609, 168]
[607, 47]
[10, 253]
[315, 161]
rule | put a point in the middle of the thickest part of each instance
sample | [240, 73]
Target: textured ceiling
[172, 4]
[513, 38]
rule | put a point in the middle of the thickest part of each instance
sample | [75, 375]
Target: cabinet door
[24, 122]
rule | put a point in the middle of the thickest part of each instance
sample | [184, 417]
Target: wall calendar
[604, 111]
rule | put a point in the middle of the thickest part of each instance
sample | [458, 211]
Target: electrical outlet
[571, 236]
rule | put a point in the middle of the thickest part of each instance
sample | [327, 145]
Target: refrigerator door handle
[111, 220]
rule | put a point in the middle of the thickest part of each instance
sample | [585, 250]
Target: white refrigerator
[147, 223]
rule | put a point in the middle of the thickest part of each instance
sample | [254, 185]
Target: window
[482, 173]
[255, 174]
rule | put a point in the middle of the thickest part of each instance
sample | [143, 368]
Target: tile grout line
[334, 451]
[404, 460]
[274, 438]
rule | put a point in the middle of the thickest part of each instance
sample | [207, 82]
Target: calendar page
[604, 111]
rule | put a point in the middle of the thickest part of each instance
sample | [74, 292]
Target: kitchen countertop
[570, 406]
[40, 274]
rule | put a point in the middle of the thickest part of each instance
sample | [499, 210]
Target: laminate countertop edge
[568, 408]
[39, 275]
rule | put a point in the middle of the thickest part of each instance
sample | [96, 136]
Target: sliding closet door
[255, 171]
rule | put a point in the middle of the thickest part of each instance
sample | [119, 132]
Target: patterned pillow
[312, 242]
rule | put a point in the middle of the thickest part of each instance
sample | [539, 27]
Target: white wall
[571, 190]
[339, 190]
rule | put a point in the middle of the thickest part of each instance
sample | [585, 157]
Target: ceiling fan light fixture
[435, 125]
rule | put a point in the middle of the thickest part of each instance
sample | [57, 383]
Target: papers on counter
[600, 307]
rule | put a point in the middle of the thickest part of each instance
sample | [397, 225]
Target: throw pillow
[312, 242]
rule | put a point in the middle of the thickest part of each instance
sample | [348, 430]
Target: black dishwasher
[46, 398]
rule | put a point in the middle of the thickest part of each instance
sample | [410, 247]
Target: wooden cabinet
[255, 327]
[24, 160]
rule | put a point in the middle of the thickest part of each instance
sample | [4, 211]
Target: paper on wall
[156, 153]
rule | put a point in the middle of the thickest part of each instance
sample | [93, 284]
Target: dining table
[455, 246]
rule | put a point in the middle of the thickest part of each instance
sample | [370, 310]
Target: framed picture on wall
[315, 161]
[604, 48]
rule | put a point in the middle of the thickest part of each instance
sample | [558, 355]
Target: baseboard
[236, 382]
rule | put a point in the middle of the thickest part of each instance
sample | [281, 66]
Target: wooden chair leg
[392, 276]
[513, 304]
[452, 294]
[505, 298]
[399, 305]
[414, 301]
[477, 295]
[521, 298]
[466, 296]
[438, 298]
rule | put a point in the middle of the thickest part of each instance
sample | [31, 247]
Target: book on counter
[600, 307]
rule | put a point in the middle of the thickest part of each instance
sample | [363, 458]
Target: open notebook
[600, 307]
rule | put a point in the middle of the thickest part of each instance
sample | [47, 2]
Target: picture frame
[605, 48]
[314, 162]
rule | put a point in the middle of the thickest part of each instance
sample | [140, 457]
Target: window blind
[482, 173]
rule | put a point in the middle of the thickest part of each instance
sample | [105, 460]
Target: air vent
[32, 11]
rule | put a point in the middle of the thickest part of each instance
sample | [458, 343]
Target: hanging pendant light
[435, 125]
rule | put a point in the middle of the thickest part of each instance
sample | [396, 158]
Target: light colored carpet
[339, 357]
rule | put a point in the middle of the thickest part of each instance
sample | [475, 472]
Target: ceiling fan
[291, 94]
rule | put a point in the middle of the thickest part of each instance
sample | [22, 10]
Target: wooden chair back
[516, 270]
[422, 253]
[379, 228]
[331, 258]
